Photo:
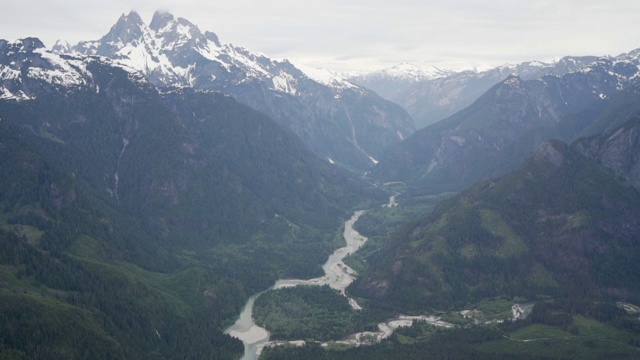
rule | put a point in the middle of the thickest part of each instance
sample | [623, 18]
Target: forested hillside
[142, 221]
[552, 227]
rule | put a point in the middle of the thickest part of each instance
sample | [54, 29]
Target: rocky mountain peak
[127, 29]
[176, 32]
[513, 80]
[160, 20]
[28, 69]
[26, 45]
[173, 52]
[212, 37]
[61, 47]
[32, 43]
[625, 68]
[509, 87]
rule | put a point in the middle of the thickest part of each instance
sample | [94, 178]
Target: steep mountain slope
[618, 148]
[168, 158]
[431, 99]
[80, 280]
[560, 225]
[144, 211]
[338, 121]
[502, 127]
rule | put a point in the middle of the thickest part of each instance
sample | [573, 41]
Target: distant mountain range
[562, 220]
[498, 131]
[338, 120]
[433, 96]
[392, 81]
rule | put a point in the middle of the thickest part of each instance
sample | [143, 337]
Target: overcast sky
[362, 35]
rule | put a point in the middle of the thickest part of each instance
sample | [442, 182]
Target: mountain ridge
[549, 227]
[500, 129]
[431, 100]
[135, 219]
[341, 122]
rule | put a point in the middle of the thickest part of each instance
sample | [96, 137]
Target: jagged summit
[213, 37]
[327, 77]
[61, 47]
[168, 49]
[177, 31]
[165, 22]
[21, 45]
[126, 29]
[512, 80]
[160, 19]
[28, 69]
[172, 52]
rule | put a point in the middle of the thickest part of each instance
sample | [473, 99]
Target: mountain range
[498, 131]
[429, 99]
[144, 210]
[391, 81]
[563, 224]
[338, 120]
[155, 179]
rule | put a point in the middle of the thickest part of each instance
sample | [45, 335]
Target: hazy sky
[362, 35]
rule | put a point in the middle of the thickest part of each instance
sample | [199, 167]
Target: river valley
[337, 275]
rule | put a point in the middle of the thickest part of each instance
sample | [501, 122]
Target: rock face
[505, 124]
[617, 149]
[338, 120]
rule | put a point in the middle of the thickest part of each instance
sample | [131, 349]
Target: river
[337, 275]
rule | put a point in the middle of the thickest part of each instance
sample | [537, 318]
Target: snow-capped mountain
[338, 120]
[431, 99]
[28, 70]
[103, 122]
[403, 72]
[495, 133]
[327, 77]
[390, 80]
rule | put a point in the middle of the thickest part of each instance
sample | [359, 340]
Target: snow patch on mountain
[327, 77]
[5, 94]
[285, 83]
[244, 60]
[26, 62]
[406, 72]
[68, 72]
[411, 72]
[173, 52]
